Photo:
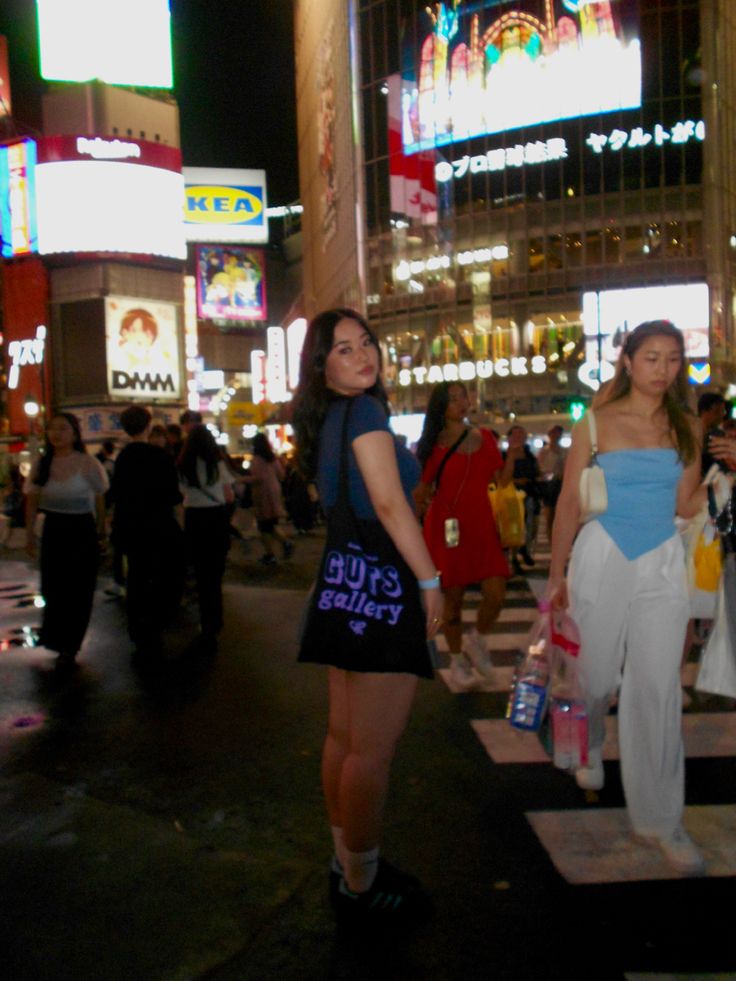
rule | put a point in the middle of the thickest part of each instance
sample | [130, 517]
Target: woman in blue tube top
[626, 584]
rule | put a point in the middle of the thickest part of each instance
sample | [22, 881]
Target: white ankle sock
[360, 869]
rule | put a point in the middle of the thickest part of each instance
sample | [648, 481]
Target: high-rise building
[506, 188]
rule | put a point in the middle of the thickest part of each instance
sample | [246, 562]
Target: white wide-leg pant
[632, 617]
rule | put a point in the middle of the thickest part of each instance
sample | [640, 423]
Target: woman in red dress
[458, 508]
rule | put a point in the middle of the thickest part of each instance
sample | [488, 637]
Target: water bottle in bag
[528, 699]
[567, 708]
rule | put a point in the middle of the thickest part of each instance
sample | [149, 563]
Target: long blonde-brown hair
[676, 399]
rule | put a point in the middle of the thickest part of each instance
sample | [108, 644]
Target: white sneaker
[592, 776]
[478, 654]
[461, 674]
[682, 853]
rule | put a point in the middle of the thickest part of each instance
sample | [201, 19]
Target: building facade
[537, 178]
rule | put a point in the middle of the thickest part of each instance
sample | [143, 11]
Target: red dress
[463, 494]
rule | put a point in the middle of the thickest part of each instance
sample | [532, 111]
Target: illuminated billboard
[231, 283]
[225, 205]
[5, 106]
[609, 314]
[18, 225]
[142, 347]
[488, 67]
[101, 195]
[121, 42]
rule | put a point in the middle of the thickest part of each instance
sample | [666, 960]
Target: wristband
[433, 583]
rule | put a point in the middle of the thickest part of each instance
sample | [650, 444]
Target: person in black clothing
[526, 478]
[174, 440]
[711, 413]
[145, 492]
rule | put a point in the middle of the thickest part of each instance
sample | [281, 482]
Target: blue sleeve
[367, 415]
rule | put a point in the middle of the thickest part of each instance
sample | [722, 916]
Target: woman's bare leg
[493, 593]
[379, 706]
[453, 623]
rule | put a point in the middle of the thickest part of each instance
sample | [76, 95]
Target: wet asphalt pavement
[165, 821]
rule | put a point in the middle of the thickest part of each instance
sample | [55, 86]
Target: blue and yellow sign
[222, 205]
[225, 205]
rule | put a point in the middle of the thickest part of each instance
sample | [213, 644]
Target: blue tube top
[642, 498]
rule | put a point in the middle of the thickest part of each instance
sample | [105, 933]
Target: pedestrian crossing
[592, 844]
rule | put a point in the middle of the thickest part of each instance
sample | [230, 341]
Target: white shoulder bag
[593, 491]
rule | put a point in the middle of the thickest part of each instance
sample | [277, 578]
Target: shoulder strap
[593, 432]
[447, 456]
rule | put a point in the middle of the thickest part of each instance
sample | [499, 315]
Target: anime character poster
[231, 283]
[142, 345]
[488, 67]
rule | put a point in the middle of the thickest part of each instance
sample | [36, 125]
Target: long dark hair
[313, 397]
[434, 420]
[44, 466]
[262, 448]
[676, 399]
[199, 445]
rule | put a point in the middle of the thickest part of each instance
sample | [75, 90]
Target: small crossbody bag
[593, 490]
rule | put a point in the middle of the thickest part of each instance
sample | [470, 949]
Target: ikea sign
[223, 205]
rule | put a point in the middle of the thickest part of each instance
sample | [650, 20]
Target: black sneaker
[394, 899]
[268, 559]
[288, 549]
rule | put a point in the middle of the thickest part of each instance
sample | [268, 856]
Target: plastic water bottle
[528, 700]
[569, 733]
[567, 709]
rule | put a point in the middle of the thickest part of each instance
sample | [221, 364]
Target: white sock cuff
[360, 869]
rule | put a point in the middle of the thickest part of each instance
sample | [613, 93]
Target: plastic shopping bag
[707, 561]
[717, 674]
[508, 509]
[703, 555]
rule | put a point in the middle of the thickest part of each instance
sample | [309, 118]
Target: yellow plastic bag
[708, 562]
[508, 509]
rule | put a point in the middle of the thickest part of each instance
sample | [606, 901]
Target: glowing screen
[142, 345]
[18, 231]
[122, 42]
[231, 283]
[614, 312]
[481, 68]
[96, 195]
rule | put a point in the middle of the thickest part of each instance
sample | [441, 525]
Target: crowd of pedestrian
[162, 506]
[406, 534]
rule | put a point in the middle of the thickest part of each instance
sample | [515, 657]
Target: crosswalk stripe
[496, 642]
[595, 846]
[705, 734]
[500, 680]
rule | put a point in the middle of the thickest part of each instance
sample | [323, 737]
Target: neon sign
[468, 370]
[106, 149]
[276, 366]
[225, 205]
[480, 74]
[405, 269]
[258, 375]
[677, 134]
[25, 352]
[539, 152]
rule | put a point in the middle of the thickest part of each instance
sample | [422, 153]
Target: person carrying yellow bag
[508, 510]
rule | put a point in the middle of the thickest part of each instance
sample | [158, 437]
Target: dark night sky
[233, 77]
